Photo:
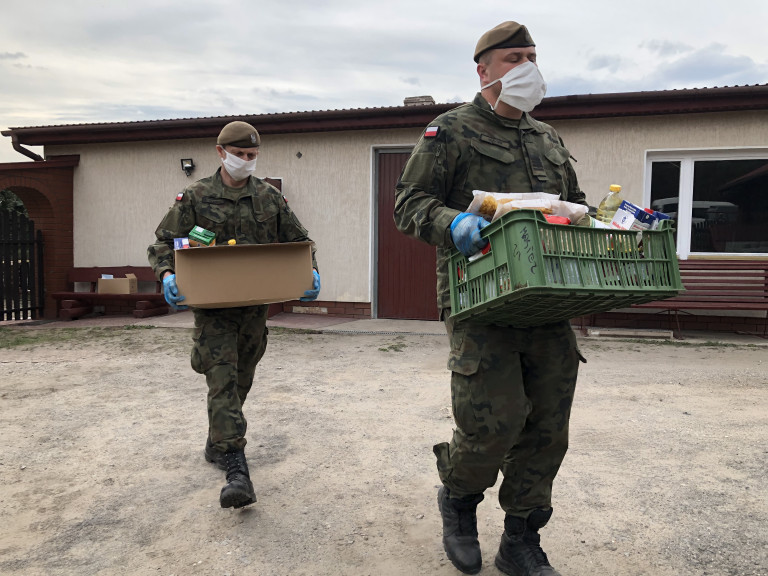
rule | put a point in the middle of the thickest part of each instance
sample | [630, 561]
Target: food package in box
[180, 243]
[199, 236]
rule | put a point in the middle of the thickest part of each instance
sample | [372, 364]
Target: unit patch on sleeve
[431, 131]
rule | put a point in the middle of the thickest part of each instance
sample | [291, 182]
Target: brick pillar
[46, 188]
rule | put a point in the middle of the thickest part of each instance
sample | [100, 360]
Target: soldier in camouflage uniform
[511, 388]
[228, 342]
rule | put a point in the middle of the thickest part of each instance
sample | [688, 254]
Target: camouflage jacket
[254, 214]
[474, 149]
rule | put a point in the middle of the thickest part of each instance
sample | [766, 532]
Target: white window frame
[687, 157]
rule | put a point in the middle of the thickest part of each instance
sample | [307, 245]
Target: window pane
[665, 184]
[730, 206]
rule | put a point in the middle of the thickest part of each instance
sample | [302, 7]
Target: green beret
[239, 134]
[506, 35]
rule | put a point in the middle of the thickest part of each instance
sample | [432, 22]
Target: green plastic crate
[537, 272]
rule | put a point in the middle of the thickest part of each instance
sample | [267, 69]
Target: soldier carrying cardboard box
[228, 342]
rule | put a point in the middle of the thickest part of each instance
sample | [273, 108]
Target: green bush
[9, 202]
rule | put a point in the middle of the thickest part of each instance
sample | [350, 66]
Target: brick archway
[46, 188]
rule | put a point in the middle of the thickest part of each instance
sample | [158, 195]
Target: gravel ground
[101, 469]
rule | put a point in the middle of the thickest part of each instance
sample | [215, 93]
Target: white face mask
[238, 168]
[523, 87]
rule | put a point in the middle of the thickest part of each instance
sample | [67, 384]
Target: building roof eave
[684, 101]
[575, 107]
[283, 123]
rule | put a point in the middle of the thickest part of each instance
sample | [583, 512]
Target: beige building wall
[122, 191]
[331, 189]
[612, 150]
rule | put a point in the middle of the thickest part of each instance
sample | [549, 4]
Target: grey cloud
[665, 47]
[570, 85]
[610, 63]
[271, 100]
[159, 60]
[99, 111]
[707, 67]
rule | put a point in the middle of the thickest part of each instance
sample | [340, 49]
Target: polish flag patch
[179, 196]
[431, 131]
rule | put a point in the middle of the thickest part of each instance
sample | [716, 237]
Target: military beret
[239, 134]
[506, 35]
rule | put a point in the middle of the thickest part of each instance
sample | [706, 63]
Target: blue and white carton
[632, 217]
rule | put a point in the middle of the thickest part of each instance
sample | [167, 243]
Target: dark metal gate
[21, 267]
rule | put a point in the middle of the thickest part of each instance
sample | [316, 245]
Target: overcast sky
[85, 61]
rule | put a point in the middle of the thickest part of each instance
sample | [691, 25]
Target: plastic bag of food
[574, 212]
[491, 205]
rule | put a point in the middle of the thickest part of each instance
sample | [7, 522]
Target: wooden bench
[71, 304]
[718, 285]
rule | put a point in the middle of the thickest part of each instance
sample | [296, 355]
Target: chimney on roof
[419, 101]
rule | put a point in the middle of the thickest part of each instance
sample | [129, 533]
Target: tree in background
[9, 202]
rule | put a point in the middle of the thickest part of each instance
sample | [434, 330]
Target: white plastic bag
[491, 205]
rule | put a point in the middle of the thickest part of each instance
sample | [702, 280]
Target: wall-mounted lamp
[187, 164]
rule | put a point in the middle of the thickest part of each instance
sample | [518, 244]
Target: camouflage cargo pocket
[260, 220]
[212, 213]
[211, 347]
[464, 357]
[558, 155]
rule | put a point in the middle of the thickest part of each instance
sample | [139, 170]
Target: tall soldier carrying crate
[511, 387]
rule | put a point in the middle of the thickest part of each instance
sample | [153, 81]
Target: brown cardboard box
[244, 274]
[127, 285]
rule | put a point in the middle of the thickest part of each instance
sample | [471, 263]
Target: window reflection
[730, 206]
[729, 203]
[665, 184]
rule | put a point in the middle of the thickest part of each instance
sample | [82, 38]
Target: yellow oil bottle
[610, 204]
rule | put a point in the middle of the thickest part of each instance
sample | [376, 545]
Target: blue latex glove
[465, 233]
[171, 292]
[310, 295]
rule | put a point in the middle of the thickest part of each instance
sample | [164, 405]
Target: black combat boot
[460, 530]
[519, 552]
[214, 456]
[238, 491]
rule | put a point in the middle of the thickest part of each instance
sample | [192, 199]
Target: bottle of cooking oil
[610, 204]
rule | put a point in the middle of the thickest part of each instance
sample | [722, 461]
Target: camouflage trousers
[511, 393]
[228, 344]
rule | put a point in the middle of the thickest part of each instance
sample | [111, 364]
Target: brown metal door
[406, 277]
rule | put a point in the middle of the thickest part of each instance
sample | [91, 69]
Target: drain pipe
[28, 153]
